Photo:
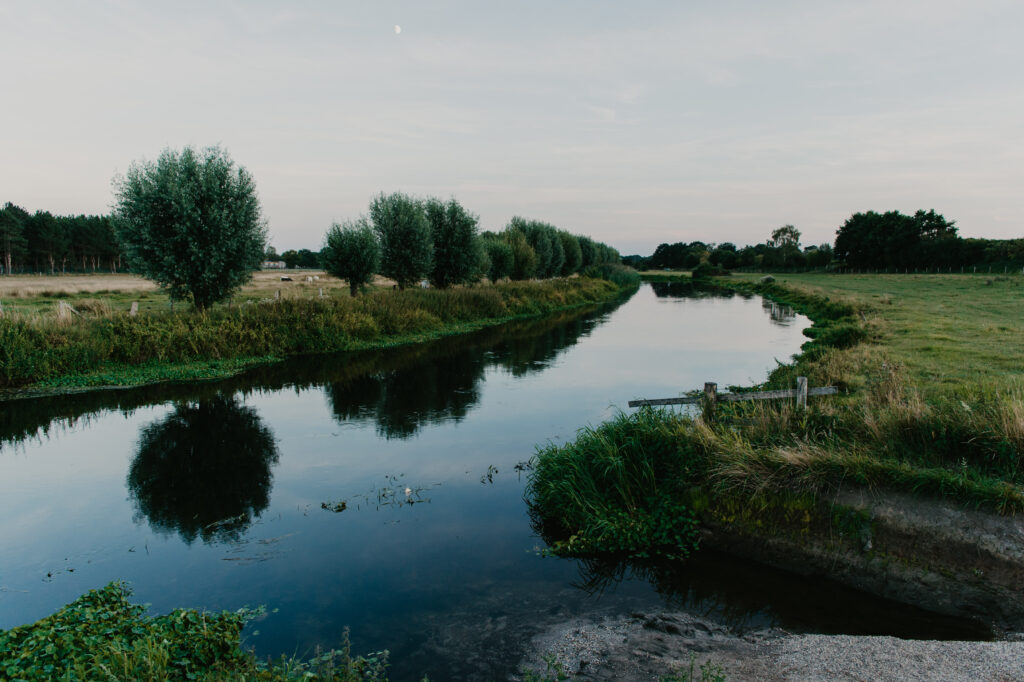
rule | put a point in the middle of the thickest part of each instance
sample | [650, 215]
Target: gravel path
[649, 646]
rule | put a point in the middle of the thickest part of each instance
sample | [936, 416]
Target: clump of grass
[616, 489]
[102, 635]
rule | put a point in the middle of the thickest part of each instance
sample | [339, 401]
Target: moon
[398, 29]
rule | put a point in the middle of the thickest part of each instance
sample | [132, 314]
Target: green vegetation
[351, 252]
[616, 489]
[456, 248]
[868, 241]
[406, 243]
[191, 223]
[931, 403]
[93, 350]
[103, 636]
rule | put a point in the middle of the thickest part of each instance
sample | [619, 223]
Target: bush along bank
[779, 484]
[103, 636]
[124, 350]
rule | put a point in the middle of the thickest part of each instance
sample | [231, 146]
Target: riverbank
[681, 646]
[121, 350]
[790, 487]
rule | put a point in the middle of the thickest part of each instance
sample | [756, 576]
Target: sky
[634, 123]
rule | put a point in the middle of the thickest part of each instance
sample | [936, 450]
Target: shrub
[351, 252]
[191, 223]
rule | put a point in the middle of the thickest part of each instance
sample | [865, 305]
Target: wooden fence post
[134, 310]
[710, 398]
[801, 393]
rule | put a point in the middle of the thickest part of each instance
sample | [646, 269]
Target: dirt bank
[928, 553]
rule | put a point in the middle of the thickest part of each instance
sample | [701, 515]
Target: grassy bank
[931, 404]
[104, 636]
[117, 349]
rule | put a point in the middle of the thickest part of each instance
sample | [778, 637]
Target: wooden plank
[665, 401]
[759, 395]
[737, 397]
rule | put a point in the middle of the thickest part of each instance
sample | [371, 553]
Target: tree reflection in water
[439, 382]
[204, 470]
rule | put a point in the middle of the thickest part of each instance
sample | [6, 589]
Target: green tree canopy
[191, 222]
[454, 233]
[572, 252]
[524, 258]
[405, 240]
[352, 253]
[501, 259]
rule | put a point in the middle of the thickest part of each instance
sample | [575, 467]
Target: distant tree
[454, 233]
[573, 253]
[405, 239]
[786, 242]
[892, 239]
[524, 258]
[191, 222]
[308, 259]
[818, 256]
[13, 244]
[271, 254]
[501, 259]
[47, 239]
[588, 251]
[724, 255]
[291, 258]
[351, 252]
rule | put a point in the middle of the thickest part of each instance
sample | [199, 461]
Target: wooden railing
[711, 394]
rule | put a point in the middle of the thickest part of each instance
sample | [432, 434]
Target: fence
[711, 394]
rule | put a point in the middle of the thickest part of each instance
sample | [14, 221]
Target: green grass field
[946, 330]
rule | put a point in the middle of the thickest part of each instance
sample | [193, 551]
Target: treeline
[43, 242]
[866, 241]
[410, 240]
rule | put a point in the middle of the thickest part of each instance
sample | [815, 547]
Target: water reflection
[403, 391]
[204, 470]
[780, 314]
[377, 384]
[402, 397]
[746, 595]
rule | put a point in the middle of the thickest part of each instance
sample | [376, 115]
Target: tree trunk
[354, 288]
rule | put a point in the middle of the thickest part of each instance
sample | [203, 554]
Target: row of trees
[867, 240]
[409, 240]
[781, 250]
[43, 242]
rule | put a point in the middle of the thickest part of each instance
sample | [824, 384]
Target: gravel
[649, 646]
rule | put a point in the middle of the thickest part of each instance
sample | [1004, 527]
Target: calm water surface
[383, 491]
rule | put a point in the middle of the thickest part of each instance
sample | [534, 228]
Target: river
[383, 491]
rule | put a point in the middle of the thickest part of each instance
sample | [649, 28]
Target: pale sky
[635, 123]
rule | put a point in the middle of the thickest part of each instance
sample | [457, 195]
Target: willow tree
[351, 252]
[191, 222]
[407, 248]
[456, 252]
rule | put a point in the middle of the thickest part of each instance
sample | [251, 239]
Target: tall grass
[36, 349]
